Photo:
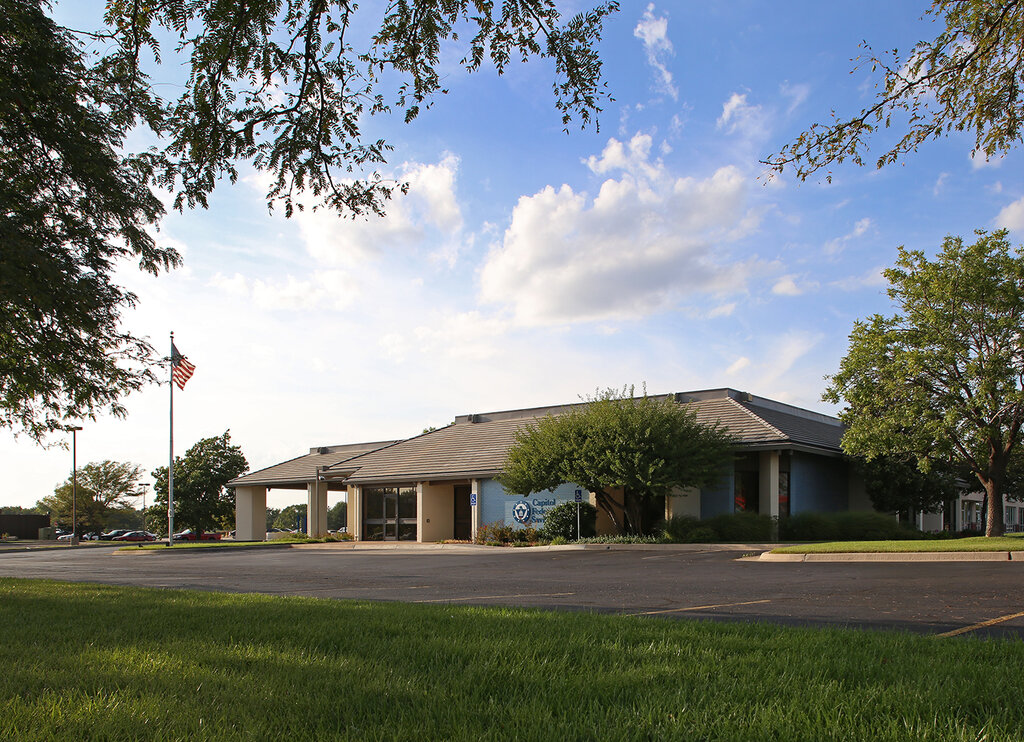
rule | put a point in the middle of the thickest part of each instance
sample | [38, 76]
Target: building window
[389, 513]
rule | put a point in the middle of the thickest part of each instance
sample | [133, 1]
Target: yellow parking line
[494, 597]
[698, 608]
[983, 624]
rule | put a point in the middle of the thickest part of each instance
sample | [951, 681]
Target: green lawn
[1011, 542]
[99, 662]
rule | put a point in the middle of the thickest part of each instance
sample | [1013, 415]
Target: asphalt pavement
[976, 598]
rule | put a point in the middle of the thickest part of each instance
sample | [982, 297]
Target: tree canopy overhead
[968, 78]
[643, 446]
[942, 379]
[282, 86]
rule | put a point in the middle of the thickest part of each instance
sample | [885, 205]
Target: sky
[529, 267]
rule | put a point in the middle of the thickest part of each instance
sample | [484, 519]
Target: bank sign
[530, 510]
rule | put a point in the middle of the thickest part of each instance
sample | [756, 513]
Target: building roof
[475, 445]
[297, 472]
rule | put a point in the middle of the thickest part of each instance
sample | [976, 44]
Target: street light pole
[144, 485]
[74, 484]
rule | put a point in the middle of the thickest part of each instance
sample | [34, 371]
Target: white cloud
[428, 215]
[980, 160]
[1012, 216]
[871, 278]
[797, 94]
[940, 183]
[738, 365]
[860, 228]
[722, 310]
[741, 117]
[646, 240]
[786, 286]
[653, 32]
[330, 290]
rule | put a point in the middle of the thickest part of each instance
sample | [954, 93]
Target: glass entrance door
[389, 513]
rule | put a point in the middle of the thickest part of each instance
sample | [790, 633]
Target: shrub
[500, 534]
[740, 527]
[864, 526]
[560, 521]
[679, 527]
[702, 535]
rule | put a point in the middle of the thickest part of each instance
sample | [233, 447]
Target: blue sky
[530, 267]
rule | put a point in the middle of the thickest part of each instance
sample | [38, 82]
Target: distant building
[441, 485]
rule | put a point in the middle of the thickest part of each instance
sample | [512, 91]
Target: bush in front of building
[500, 534]
[864, 526]
[728, 527]
[560, 521]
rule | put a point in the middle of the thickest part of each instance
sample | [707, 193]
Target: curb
[906, 556]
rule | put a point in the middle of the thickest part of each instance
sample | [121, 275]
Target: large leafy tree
[287, 87]
[895, 484]
[642, 446]
[71, 208]
[942, 379]
[970, 77]
[202, 500]
[105, 492]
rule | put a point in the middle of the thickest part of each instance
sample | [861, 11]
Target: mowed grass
[1010, 542]
[98, 662]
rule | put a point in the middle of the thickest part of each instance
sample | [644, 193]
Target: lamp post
[144, 485]
[74, 484]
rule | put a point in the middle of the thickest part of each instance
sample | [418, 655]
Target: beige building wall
[316, 509]
[683, 501]
[435, 512]
[250, 513]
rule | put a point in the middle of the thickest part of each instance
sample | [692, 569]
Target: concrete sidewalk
[906, 556]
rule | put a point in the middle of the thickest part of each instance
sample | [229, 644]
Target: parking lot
[956, 599]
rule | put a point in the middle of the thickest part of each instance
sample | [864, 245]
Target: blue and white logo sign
[579, 495]
[521, 511]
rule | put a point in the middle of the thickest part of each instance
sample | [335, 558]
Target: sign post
[579, 499]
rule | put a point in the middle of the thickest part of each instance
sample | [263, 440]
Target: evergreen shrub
[560, 521]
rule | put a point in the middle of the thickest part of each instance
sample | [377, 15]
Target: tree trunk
[607, 504]
[994, 515]
[633, 512]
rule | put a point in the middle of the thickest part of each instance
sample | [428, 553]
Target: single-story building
[441, 485]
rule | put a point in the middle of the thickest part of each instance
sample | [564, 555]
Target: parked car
[135, 536]
[189, 535]
[111, 535]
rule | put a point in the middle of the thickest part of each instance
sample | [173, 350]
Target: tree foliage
[942, 379]
[896, 485]
[643, 446]
[337, 516]
[968, 78]
[289, 517]
[202, 500]
[286, 87]
[71, 208]
[105, 489]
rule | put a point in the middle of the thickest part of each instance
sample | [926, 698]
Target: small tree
[570, 521]
[202, 500]
[104, 488]
[289, 517]
[337, 516]
[641, 445]
[942, 380]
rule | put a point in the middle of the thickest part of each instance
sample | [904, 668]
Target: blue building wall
[717, 499]
[518, 511]
[818, 484]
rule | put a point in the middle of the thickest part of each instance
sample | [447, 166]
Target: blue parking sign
[579, 495]
[472, 499]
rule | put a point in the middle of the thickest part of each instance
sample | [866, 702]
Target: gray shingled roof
[475, 445]
[296, 472]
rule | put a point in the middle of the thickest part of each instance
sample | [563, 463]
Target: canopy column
[250, 513]
[316, 509]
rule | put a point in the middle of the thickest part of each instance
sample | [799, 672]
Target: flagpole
[170, 465]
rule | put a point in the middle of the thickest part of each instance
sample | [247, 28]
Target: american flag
[181, 369]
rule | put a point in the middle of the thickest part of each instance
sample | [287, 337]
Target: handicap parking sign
[472, 499]
[579, 495]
